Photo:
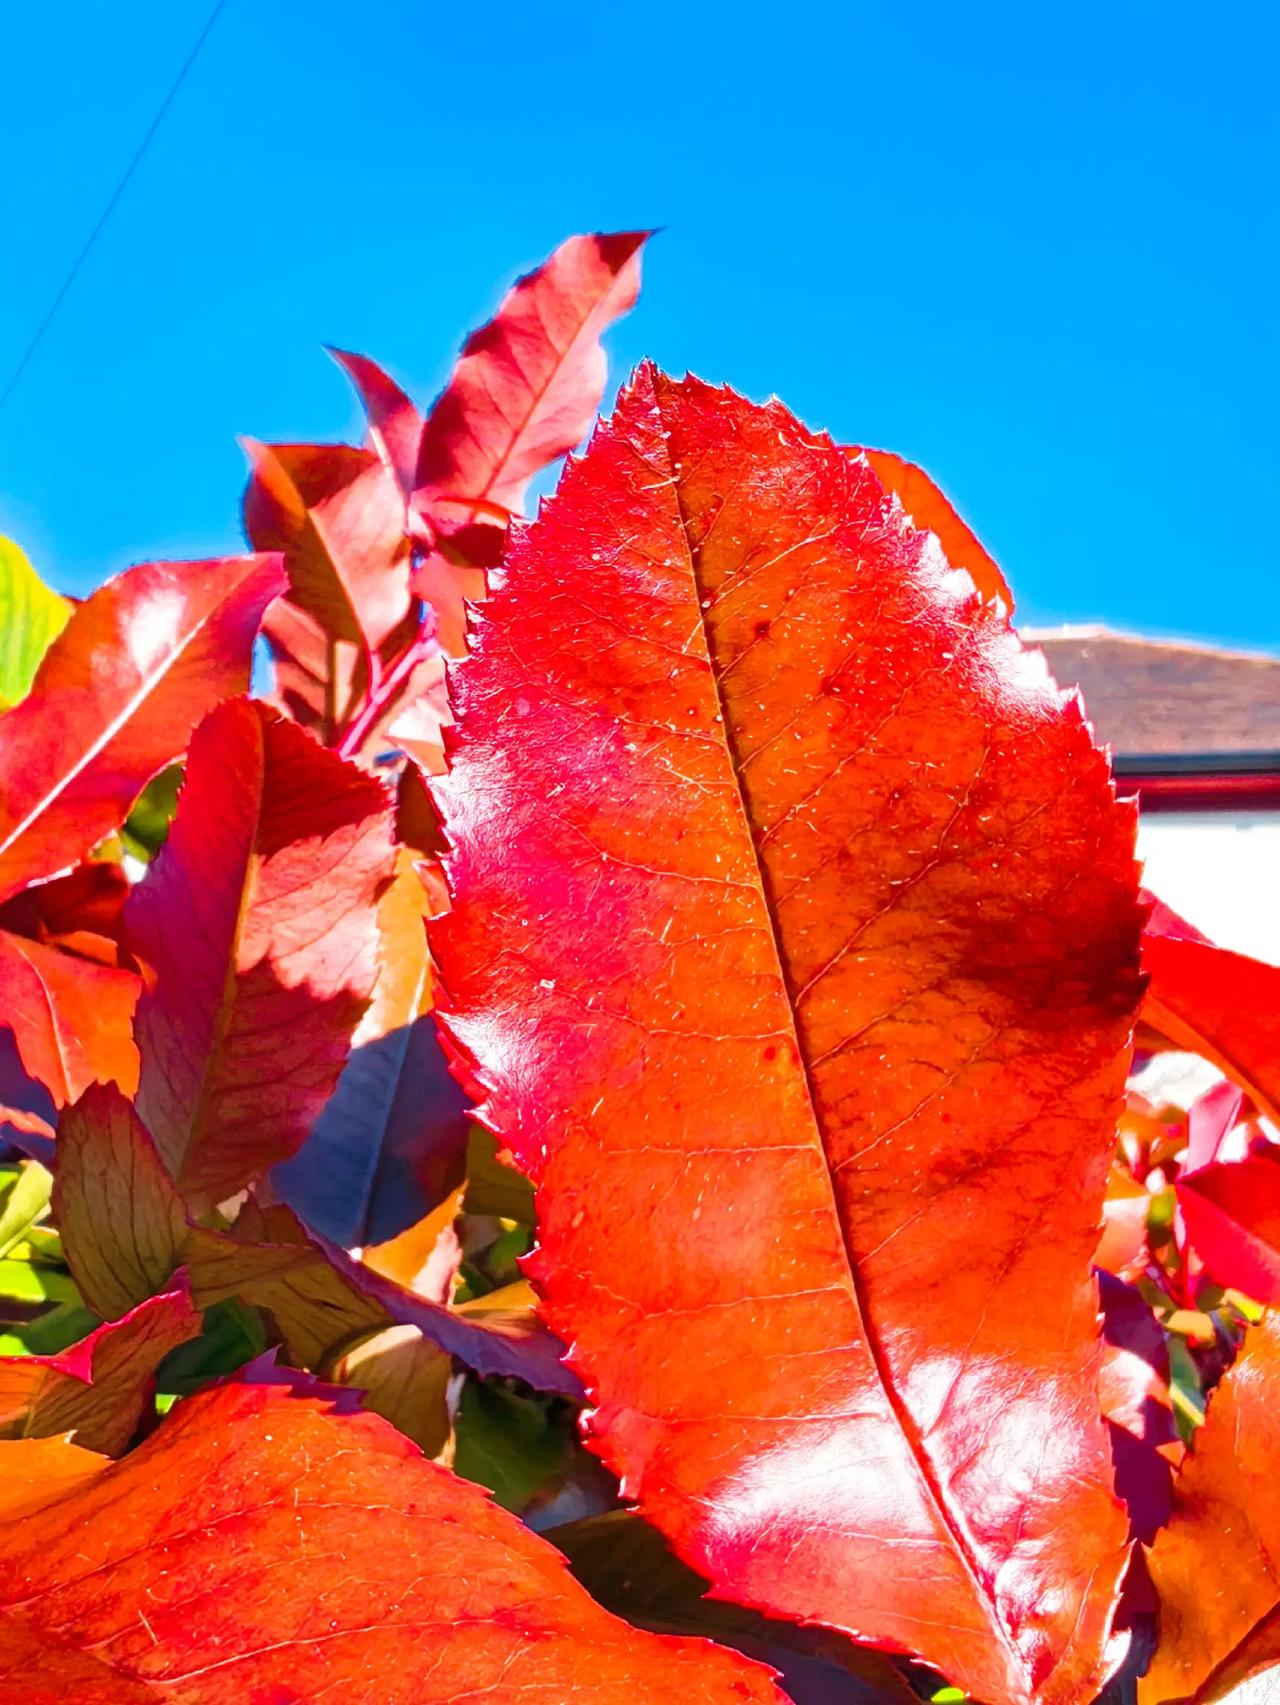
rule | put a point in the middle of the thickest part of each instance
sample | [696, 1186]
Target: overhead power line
[37, 336]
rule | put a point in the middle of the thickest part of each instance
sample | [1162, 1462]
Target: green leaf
[507, 1442]
[146, 828]
[232, 1335]
[32, 616]
[25, 1200]
[54, 1330]
[26, 1281]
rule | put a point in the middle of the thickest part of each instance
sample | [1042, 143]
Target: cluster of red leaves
[786, 934]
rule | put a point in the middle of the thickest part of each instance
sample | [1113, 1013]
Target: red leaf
[1134, 1396]
[116, 697]
[525, 388]
[261, 1546]
[338, 517]
[87, 900]
[932, 512]
[1231, 1214]
[71, 1018]
[1219, 1004]
[1213, 1565]
[121, 1220]
[1210, 1121]
[795, 931]
[392, 1141]
[98, 1389]
[395, 425]
[258, 923]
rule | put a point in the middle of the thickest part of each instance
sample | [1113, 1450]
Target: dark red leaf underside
[794, 943]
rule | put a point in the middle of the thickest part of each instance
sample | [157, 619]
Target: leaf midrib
[901, 1414]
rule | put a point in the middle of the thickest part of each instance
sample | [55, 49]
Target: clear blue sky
[1034, 248]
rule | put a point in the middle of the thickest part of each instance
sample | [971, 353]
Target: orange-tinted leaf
[320, 1298]
[403, 1377]
[97, 1390]
[257, 921]
[392, 1140]
[1223, 1005]
[794, 940]
[338, 517]
[88, 900]
[1231, 1214]
[116, 697]
[122, 1222]
[932, 512]
[395, 425]
[524, 390]
[71, 1017]
[41, 1670]
[262, 1546]
[1213, 1565]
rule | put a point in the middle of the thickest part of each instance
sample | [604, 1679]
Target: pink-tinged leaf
[71, 1017]
[1210, 1121]
[525, 389]
[258, 924]
[70, 910]
[1231, 1218]
[392, 1140]
[116, 698]
[395, 424]
[1134, 1395]
[338, 517]
[262, 1546]
[1213, 1566]
[931, 511]
[98, 1390]
[1223, 1005]
[320, 1297]
[795, 929]
[121, 1220]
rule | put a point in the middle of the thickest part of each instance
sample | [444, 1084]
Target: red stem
[383, 690]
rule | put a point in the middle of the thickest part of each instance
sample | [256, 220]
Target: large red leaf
[263, 1546]
[71, 1018]
[392, 1140]
[338, 517]
[1213, 1566]
[96, 1390]
[258, 923]
[1223, 1005]
[116, 697]
[794, 941]
[524, 390]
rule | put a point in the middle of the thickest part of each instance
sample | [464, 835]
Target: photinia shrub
[588, 1143]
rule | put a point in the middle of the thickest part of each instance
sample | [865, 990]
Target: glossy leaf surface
[1218, 1628]
[1223, 1005]
[261, 1546]
[524, 390]
[795, 930]
[95, 1391]
[32, 616]
[116, 697]
[392, 1140]
[257, 922]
